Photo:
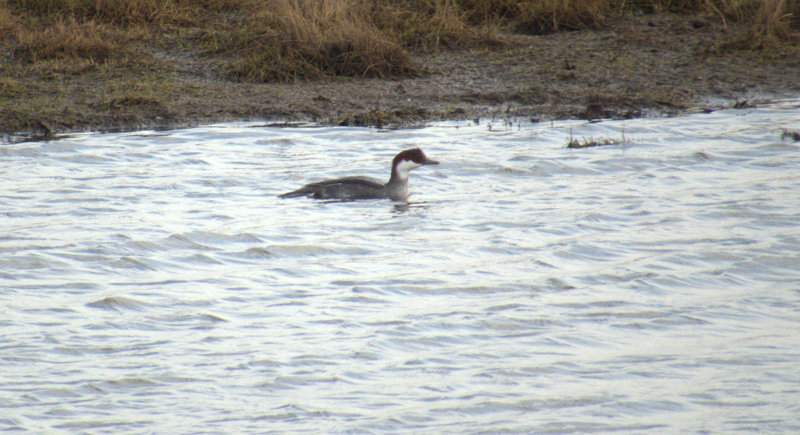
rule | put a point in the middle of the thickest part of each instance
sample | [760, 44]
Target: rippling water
[153, 282]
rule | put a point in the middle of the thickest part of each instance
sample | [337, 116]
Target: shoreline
[652, 65]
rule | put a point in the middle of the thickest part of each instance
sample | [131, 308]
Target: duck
[355, 188]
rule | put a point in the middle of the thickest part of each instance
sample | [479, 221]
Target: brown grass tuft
[765, 24]
[548, 16]
[434, 24]
[120, 12]
[300, 39]
[535, 16]
[66, 38]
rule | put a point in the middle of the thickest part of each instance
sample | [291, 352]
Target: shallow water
[153, 282]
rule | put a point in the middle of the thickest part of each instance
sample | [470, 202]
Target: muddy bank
[649, 65]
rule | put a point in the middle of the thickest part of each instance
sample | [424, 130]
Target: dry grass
[120, 12]
[299, 39]
[551, 15]
[66, 38]
[280, 40]
[764, 24]
[434, 24]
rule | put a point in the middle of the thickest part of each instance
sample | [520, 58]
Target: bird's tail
[296, 193]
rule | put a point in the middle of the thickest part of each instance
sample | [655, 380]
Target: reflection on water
[155, 283]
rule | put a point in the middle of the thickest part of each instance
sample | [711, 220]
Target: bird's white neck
[403, 168]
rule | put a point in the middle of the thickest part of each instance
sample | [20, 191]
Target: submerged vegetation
[576, 143]
[590, 142]
[793, 135]
[132, 50]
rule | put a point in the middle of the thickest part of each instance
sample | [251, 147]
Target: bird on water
[350, 188]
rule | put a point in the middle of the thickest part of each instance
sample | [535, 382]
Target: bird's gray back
[342, 188]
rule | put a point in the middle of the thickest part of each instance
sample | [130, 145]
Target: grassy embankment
[72, 64]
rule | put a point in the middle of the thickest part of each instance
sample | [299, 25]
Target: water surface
[152, 282]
